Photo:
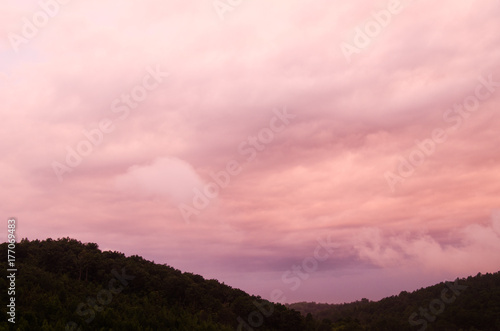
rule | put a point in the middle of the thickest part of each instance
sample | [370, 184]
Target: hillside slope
[468, 304]
[66, 285]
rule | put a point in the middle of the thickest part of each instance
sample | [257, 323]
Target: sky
[301, 151]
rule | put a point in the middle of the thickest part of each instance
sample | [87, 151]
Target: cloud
[167, 176]
[323, 174]
[496, 221]
[410, 249]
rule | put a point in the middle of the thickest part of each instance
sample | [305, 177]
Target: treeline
[67, 285]
[468, 304]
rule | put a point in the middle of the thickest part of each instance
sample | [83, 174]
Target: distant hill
[66, 285]
[468, 304]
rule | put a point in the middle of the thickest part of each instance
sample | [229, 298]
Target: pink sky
[321, 175]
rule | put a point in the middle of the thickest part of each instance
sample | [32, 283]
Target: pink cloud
[323, 175]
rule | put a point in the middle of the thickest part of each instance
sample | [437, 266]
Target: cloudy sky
[326, 151]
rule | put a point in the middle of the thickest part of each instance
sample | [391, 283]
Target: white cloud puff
[168, 176]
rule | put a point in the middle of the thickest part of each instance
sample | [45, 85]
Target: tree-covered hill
[468, 304]
[67, 285]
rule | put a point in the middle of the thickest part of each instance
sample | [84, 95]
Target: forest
[68, 285]
[65, 284]
[468, 304]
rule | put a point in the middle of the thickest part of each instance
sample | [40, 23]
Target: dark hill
[66, 285]
[468, 304]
